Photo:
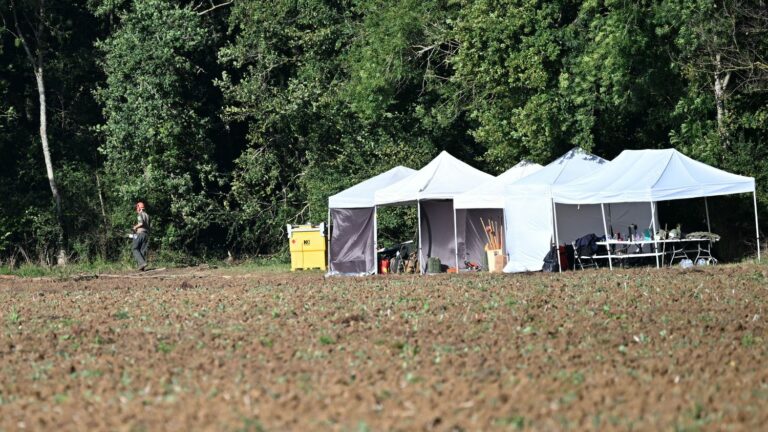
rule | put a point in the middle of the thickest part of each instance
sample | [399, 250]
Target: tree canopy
[231, 119]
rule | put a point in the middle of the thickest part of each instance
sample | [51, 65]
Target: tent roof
[491, 193]
[651, 175]
[443, 178]
[361, 194]
[572, 165]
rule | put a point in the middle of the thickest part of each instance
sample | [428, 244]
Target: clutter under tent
[647, 177]
[352, 218]
[579, 211]
[485, 203]
[529, 218]
[433, 189]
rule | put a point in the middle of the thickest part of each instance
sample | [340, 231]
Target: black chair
[585, 258]
[584, 251]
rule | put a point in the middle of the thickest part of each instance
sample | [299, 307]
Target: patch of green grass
[167, 260]
[56, 272]
[327, 340]
[748, 340]
[271, 264]
[121, 315]
[697, 419]
[164, 347]
[516, 421]
[266, 342]
[14, 317]
[251, 425]
[412, 378]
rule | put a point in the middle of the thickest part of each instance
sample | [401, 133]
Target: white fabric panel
[491, 193]
[443, 178]
[651, 175]
[361, 194]
[529, 230]
[528, 210]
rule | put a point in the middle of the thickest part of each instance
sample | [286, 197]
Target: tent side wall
[437, 233]
[352, 241]
[574, 221]
[529, 230]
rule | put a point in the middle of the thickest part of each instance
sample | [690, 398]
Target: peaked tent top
[570, 166]
[652, 175]
[491, 193]
[361, 195]
[443, 178]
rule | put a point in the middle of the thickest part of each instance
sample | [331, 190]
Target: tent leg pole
[607, 237]
[655, 243]
[706, 209]
[418, 222]
[557, 240]
[375, 239]
[455, 236]
[757, 225]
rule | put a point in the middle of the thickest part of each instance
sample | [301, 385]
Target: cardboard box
[500, 262]
[496, 260]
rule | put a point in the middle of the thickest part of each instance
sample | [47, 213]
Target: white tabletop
[644, 242]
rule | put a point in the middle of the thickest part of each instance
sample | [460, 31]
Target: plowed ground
[639, 349]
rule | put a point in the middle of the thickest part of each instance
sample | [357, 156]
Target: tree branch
[213, 6]
[21, 37]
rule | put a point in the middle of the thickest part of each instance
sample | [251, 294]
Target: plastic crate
[307, 246]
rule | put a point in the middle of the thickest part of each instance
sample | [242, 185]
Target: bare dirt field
[227, 350]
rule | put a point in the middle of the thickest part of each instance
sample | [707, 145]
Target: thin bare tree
[732, 49]
[31, 31]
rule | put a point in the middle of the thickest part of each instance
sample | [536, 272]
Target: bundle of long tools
[493, 233]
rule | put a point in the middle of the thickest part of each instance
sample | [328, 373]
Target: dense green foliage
[156, 136]
[231, 121]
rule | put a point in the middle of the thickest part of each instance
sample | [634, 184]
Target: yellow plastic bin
[307, 246]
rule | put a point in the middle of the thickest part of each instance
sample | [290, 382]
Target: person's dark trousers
[140, 247]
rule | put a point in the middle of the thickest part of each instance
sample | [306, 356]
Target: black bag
[550, 261]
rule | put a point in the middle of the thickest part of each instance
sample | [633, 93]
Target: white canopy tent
[484, 203]
[650, 176]
[491, 193]
[529, 218]
[433, 189]
[352, 218]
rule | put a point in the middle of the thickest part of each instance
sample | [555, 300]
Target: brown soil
[177, 350]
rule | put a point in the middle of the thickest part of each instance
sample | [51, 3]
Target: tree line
[231, 118]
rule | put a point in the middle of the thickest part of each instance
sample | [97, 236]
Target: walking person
[141, 239]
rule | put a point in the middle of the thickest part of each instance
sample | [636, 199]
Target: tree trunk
[62, 254]
[36, 59]
[105, 238]
[721, 83]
